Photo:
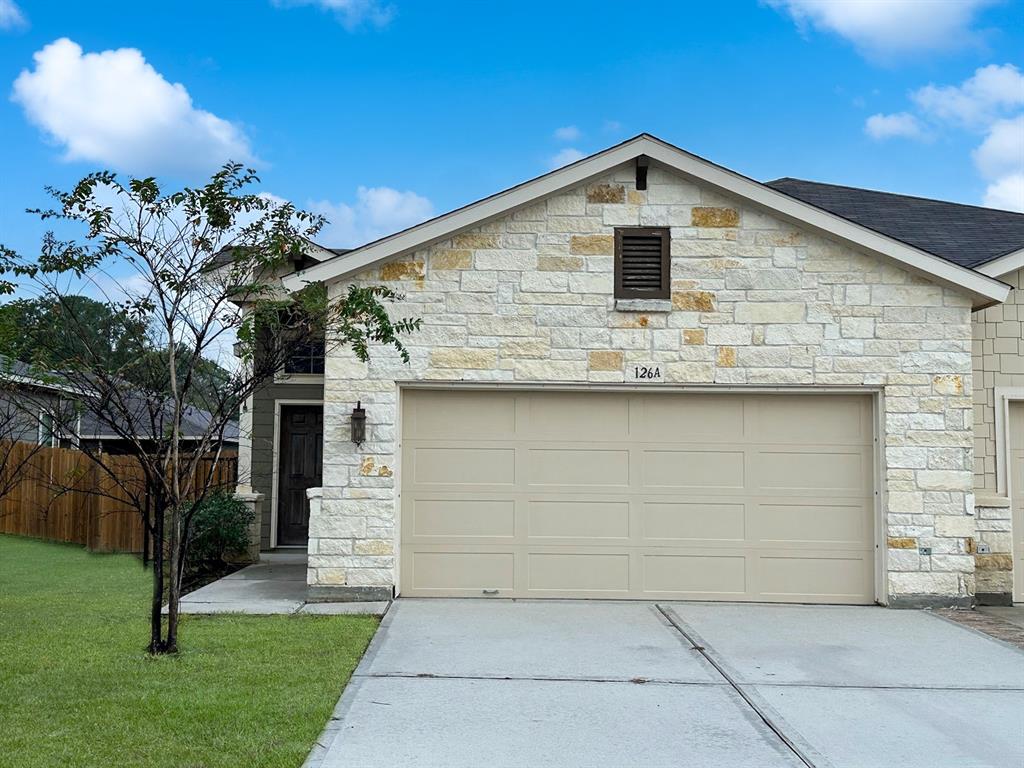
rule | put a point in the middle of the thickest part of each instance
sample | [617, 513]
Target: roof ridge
[893, 194]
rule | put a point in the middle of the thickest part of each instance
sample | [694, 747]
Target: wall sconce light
[358, 424]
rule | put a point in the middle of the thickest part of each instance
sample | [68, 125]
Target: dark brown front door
[302, 439]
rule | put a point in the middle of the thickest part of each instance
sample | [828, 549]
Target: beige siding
[998, 360]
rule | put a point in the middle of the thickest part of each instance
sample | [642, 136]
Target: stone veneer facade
[998, 357]
[755, 301]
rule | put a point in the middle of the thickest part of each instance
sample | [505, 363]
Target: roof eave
[1002, 265]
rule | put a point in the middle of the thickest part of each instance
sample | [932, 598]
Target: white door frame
[278, 402]
[1004, 477]
[877, 395]
[1003, 397]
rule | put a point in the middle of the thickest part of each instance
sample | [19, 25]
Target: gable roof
[964, 234]
[983, 290]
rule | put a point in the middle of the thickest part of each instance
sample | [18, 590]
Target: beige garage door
[622, 495]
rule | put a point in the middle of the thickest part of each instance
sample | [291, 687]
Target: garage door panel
[794, 470]
[555, 417]
[436, 466]
[438, 415]
[463, 518]
[469, 572]
[708, 468]
[703, 419]
[810, 521]
[828, 576]
[678, 521]
[687, 575]
[577, 467]
[811, 419]
[593, 572]
[708, 497]
[580, 520]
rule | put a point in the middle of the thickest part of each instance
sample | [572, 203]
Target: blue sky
[381, 113]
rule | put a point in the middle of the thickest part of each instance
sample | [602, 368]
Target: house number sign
[647, 372]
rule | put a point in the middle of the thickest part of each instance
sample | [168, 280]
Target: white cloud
[351, 14]
[883, 28]
[377, 212]
[988, 93]
[1003, 149]
[568, 133]
[901, 124]
[1006, 194]
[988, 103]
[565, 157]
[113, 108]
[11, 16]
[1000, 160]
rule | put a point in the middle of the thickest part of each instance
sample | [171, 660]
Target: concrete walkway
[578, 683]
[1014, 614]
[276, 584]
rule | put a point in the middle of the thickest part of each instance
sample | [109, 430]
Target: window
[306, 356]
[642, 263]
[47, 436]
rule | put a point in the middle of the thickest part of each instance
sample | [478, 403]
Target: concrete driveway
[573, 683]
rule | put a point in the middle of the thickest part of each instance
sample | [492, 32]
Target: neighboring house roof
[22, 374]
[967, 235]
[194, 423]
[983, 290]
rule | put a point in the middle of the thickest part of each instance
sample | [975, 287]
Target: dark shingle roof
[967, 235]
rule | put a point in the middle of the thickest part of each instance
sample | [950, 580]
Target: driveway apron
[593, 683]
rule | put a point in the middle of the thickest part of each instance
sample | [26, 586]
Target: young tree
[195, 272]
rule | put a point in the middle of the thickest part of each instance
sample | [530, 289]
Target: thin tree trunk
[174, 578]
[147, 516]
[156, 644]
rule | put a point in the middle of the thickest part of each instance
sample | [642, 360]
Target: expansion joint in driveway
[758, 710]
[539, 679]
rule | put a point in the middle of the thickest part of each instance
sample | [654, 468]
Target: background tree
[197, 274]
[49, 335]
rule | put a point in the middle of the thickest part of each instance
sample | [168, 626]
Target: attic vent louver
[642, 263]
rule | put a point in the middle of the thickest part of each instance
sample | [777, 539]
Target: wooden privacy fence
[62, 495]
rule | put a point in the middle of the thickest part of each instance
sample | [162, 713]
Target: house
[35, 407]
[147, 419]
[644, 375]
[43, 407]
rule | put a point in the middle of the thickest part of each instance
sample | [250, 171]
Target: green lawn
[77, 688]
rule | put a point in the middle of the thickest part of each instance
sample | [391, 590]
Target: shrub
[219, 527]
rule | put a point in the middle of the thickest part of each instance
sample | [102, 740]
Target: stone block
[694, 336]
[559, 263]
[714, 217]
[605, 360]
[726, 357]
[694, 301]
[463, 358]
[770, 312]
[958, 526]
[896, 542]
[597, 245]
[606, 193]
[402, 270]
[451, 259]
[475, 240]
